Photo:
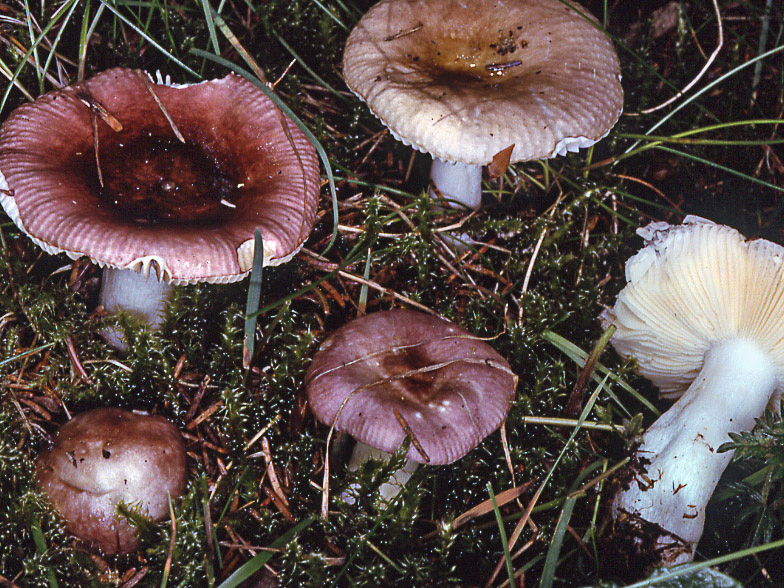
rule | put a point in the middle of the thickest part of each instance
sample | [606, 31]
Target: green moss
[503, 292]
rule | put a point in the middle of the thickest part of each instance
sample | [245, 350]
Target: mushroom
[108, 457]
[702, 313]
[464, 81]
[395, 373]
[160, 185]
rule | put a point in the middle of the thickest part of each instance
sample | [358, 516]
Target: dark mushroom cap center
[150, 178]
[487, 58]
[418, 381]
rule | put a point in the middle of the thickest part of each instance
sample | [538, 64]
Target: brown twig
[169, 119]
[204, 416]
[197, 398]
[407, 429]
[77, 365]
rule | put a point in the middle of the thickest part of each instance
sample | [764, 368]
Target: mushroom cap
[693, 285]
[465, 80]
[451, 388]
[186, 211]
[105, 457]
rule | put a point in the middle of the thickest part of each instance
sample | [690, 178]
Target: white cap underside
[693, 285]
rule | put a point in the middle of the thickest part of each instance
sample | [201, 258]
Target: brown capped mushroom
[465, 80]
[107, 457]
[400, 372]
[160, 185]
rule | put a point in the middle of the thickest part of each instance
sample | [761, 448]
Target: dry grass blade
[100, 111]
[271, 474]
[407, 429]
[483, 508]
[169, 119]
[77, 365]
[383, 290]
[405, 32]
[172, 539]
[574, 404]
[711, 59]
[518, 530]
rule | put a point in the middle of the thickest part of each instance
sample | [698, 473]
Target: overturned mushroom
[108, 457]
[160, 185]
[703, 314]
[464, 81]
[395, 373]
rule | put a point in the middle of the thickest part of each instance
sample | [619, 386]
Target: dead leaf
[500, 162]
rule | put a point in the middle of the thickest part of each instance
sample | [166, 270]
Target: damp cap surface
[141, 199]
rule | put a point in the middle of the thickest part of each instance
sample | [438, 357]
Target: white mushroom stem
[144, 297]
[389, 489]
[458, 183]
[733, 388]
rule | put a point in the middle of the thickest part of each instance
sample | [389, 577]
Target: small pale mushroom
[463, 81]
[395, 373]
[160, 185]
[703, 314]
[108, 457]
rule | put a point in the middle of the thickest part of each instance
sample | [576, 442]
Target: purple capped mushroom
[108, 457]
[160, 185]
[395, 373]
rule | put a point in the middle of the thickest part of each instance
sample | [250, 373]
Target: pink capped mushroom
[395, 373]
[108, 457]
[160, 185]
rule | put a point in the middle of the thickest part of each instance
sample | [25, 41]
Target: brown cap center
[152, 179]
[488, 59]
[410, 365]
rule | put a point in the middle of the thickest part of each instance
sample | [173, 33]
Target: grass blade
[723, 168]
[23, 59]
[254, 296]
[149, 39]
[305, 66]
[369, 534]
[707, 87]
[332, 16]
[502, 531]
[550, 563]
[254, 564]
[576, 397]
[84, 39]
[693, 567]
[25, 353]
[40, 547]
[205, 4]
[579, 356]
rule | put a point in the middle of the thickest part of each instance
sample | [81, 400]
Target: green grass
[553, 237]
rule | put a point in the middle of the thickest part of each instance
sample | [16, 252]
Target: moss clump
[550, 243]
